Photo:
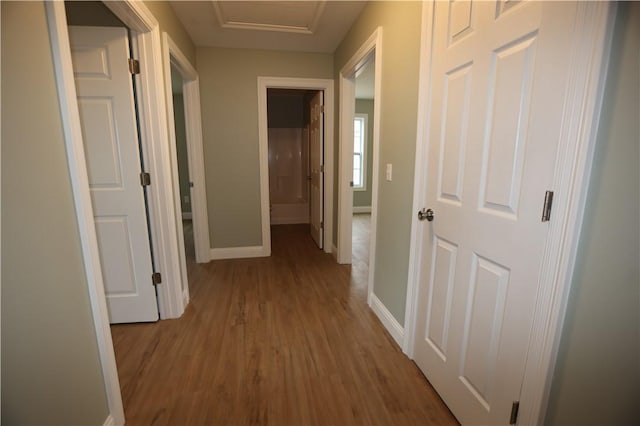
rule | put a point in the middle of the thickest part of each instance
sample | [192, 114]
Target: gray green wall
[181, 151]
[363, 198]
[597, 375]
[400, 57]
[169, 22]
[229, 101]
[50, 368]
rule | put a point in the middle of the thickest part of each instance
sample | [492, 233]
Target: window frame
[365, 120]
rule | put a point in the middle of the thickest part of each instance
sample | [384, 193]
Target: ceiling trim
[255, 26]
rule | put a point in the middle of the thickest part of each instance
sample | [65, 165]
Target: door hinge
[546, 207]
[145, 179]
[322, 109]
[322, 168]
[322, 225]
[134, 66]
[514, 412]
[156, 278]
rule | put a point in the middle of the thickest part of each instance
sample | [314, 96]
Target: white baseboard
[185, 298]
[361, 209]
[240, 252]
[289, 220]
[110, 421]
[388, 321]
[187, 215]
[334, 252]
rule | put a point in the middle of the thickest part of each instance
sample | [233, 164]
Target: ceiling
[303, 26]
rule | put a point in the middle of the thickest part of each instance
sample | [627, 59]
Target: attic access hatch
[283, 16]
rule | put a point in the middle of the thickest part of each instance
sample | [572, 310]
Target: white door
[107, 114]
[315, 166]
[498, 81]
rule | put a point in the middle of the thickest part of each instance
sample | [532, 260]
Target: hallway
[282, 340]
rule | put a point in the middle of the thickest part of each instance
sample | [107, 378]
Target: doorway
[106, 89]
[145, 34]
[359, 154]
[324, 176]
[187, 160]
[288, 156]
[363, 123]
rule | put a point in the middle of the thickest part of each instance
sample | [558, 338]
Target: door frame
[592, 38]
[154, 141]
[326, 86]
[173, 56]
[372, 47]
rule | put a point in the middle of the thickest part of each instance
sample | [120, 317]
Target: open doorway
[362, 170]
[187, 160]
[144, 34]
[359, 153]
[295, 143]
[290, 196]
[184, 182]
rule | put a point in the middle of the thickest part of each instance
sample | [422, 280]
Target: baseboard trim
[109, 422]
[361, 209]
[289, 220]
[185, 297]
[334, 251]
[187, 216]
[388, 321]
[239, 252]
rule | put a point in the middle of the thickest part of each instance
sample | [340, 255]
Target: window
[359, 152]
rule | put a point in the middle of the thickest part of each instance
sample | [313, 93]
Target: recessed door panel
[508, 116]
[453, 139]
[91, 62]
[116, 255]
[101, 146]
[485, 313]
[460, 19]
[440, 295]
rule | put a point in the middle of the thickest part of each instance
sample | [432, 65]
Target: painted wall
[229, 100]
[597, 376]
[399, 102]
[169, 22]
[182, 153]
[363, 198]
[50, 367]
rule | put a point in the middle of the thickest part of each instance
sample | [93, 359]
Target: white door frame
[154, 139]
[372, 46]
[326, 86]
[592, 44]
[173, 56]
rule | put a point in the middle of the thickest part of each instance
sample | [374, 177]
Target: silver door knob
[426, 214]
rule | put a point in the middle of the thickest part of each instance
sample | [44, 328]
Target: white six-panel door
[107, 114]
[315, 167]
[498, 79]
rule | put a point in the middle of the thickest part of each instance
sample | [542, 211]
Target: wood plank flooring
[285, 340]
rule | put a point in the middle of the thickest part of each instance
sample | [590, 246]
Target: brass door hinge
[134, 66]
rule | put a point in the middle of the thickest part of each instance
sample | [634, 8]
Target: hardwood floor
[285, 340]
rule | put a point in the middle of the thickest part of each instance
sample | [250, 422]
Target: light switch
[389, 172]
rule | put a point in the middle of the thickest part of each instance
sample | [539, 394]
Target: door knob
[426, 214]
